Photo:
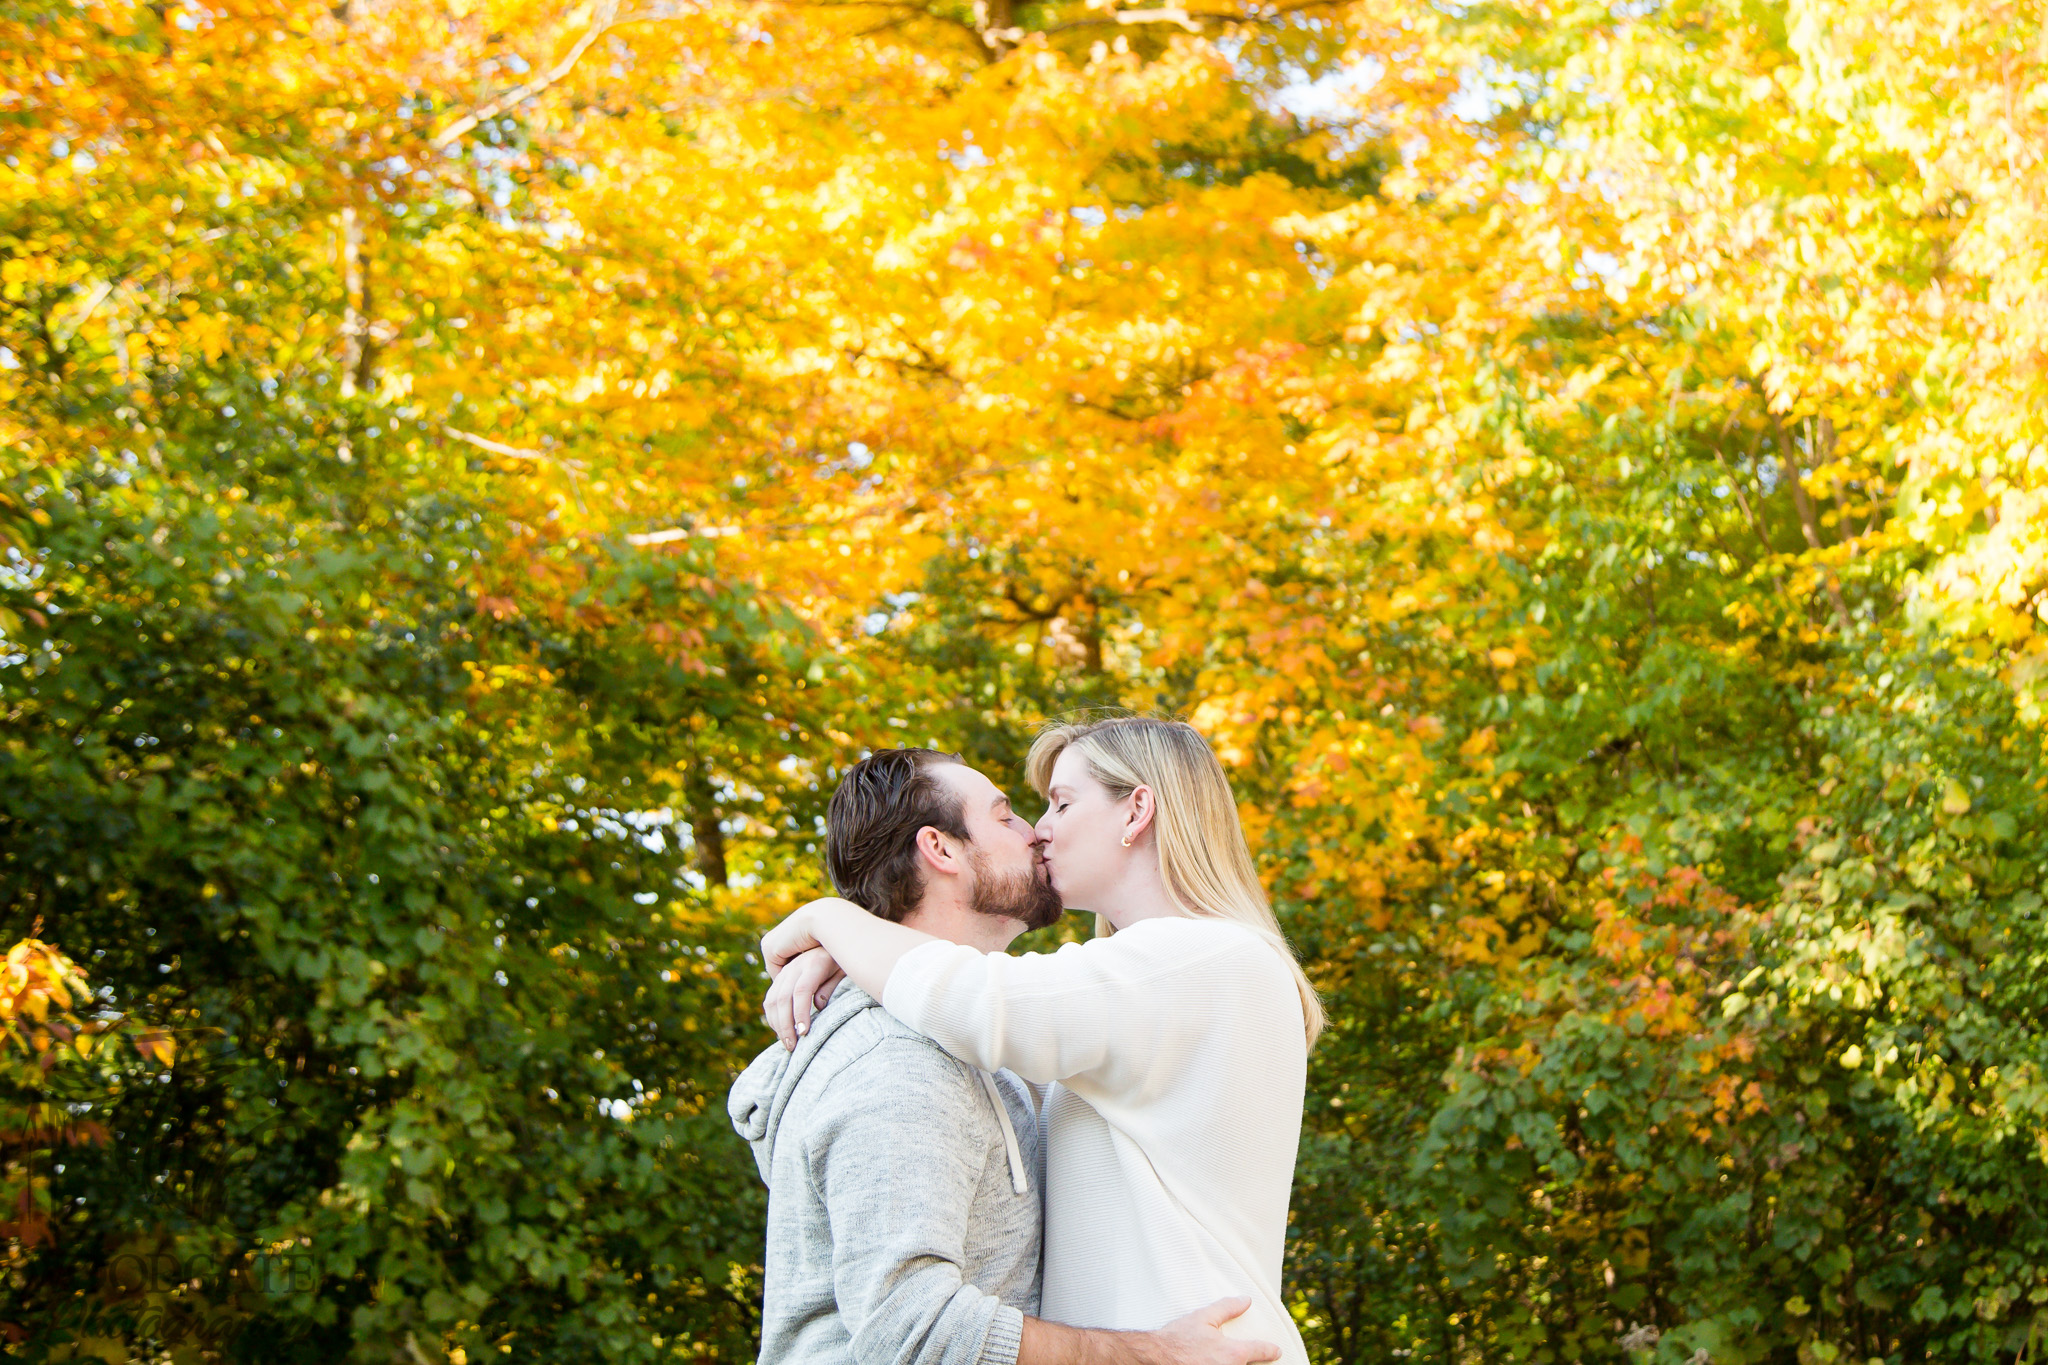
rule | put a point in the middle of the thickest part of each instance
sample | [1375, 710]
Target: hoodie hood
[762, 1092]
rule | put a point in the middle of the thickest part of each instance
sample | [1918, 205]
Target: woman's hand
[863, 946]
[798, 934]
[803, 987]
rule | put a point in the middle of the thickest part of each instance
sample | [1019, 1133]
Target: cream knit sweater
[1176, 1051]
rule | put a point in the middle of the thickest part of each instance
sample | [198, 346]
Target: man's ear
[939, 852]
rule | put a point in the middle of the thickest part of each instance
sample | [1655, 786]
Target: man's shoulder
[875, 1048]
[873, 1066]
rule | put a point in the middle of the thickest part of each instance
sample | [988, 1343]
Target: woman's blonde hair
[1203, 858]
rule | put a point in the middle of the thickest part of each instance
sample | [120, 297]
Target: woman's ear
[1140, 818]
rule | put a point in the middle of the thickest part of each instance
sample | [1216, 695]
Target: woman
[1176, 1048]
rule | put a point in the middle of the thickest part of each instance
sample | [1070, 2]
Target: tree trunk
[995, 24]
[707, 834]
[1809, 524]
[358, 346]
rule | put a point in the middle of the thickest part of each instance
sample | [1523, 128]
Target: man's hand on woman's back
[1197, 1338]
[1194, 1339]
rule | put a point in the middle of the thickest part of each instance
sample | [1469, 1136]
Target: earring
[1127, 841]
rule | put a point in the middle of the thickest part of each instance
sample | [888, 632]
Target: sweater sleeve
[898, 1183]
[1075, 1012]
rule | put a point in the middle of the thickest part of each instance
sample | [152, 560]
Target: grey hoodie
[903, 1196]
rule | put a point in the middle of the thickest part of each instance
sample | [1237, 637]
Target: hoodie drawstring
[1017, 1181]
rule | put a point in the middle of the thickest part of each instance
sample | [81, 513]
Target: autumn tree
[476, 470]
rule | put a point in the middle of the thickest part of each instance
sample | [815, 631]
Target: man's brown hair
[871, 827]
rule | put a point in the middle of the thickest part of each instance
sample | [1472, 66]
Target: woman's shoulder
[1204, 931]
[1204, 941]
[1179, 946]
[1234, 966]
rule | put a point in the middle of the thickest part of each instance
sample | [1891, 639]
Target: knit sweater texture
[1177, 1063]
[903, 1213]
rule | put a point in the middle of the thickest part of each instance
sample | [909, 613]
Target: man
[904, 1214]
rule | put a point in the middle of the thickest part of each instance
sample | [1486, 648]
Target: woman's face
[1081, 834]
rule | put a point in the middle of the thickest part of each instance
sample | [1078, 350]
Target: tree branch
[500, 448]
[1795, 482]
[672, 534]
[1735, 484]
[1192, 22]
[605, 18]
[910, 11]
[896, 507]
[1165, 14]
[568, 467]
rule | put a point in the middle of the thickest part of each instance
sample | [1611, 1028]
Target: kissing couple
[1071, 1158]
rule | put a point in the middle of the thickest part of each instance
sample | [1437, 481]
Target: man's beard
[1024, 895]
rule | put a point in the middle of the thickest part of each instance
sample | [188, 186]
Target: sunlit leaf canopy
[475, 474]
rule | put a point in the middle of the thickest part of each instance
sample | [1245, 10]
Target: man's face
[1009, 877]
